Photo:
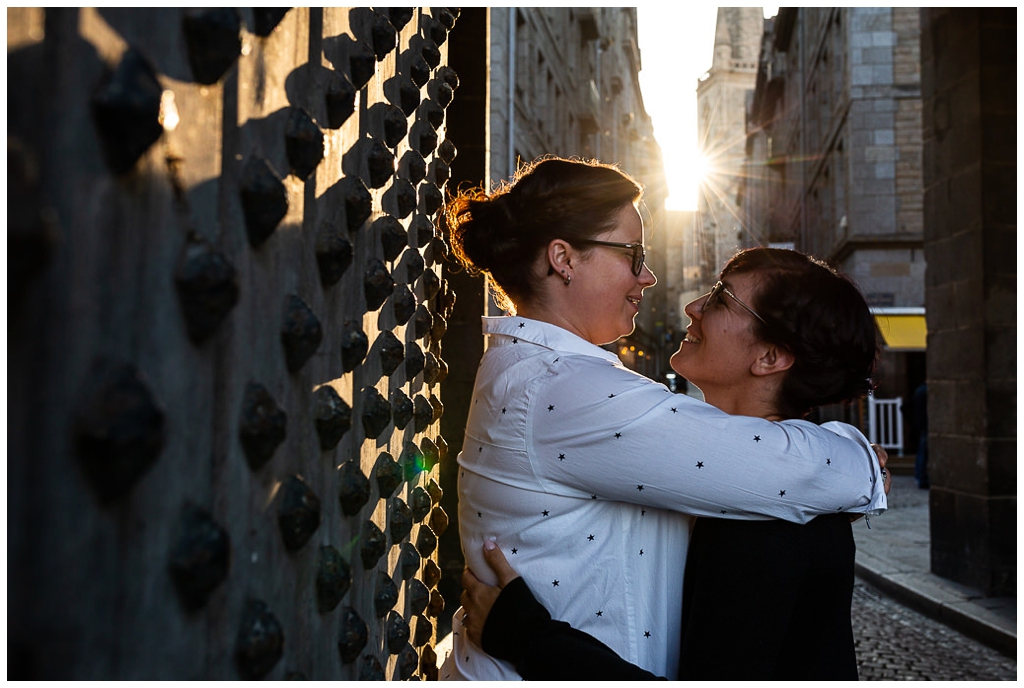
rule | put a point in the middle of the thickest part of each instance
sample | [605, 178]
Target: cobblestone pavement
[896, 643]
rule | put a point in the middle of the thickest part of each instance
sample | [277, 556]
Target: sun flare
[685, 180]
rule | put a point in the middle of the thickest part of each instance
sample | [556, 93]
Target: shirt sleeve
[600, 430]
[520, 630]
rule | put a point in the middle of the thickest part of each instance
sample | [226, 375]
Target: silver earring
[568, 278]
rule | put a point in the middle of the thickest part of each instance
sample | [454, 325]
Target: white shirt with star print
[588, 475]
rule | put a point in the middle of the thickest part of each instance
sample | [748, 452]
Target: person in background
[585, 470]
[780, 334]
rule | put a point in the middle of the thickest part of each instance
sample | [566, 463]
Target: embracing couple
[595, 489]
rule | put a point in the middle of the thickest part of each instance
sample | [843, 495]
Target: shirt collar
[543, 334]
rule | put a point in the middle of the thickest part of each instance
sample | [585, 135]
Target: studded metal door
[225, 318]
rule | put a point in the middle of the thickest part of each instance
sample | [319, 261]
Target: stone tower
[721, 106]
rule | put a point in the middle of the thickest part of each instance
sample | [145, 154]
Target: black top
[762, 600]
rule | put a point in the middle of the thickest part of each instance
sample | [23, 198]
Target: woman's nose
[695, 309]
[647, 277]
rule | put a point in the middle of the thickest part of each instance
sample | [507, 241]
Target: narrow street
[896, 643]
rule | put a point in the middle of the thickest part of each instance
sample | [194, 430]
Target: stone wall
[969, 82]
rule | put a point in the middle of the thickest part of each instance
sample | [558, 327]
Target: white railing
[885, 422]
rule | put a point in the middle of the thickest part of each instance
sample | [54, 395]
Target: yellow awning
[903, 332]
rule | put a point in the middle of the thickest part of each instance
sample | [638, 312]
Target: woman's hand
[478, 597]
[883, 456]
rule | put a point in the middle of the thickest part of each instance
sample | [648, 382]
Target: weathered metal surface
[380, 163]
[422, 322]
[263, 425]
[431, 368]
[372, 544]
[408, 96]
[370, 669]
[414, 167]
[423, 630]
[200, 558]
[358, 203]
[207, 287]
[352, 635]
[403, 303]
[303, 142]
[361, 64]
[385, 594]
[411, 461]
[431, 198]
[419, 500]
[431, 575]
[266, 19]
[119, 428]
[298, 513]
[431, 284]
[408, 561]
[333, 416]
[333, 253]
[377, 284]
[399, 520]
[400, 16]
[249, 157]
[260, 641]
[353, 488]
[401, 196]
[301, 333]
[340, 99]
[438, 521]
[393, 238]
[422, 413]
[333, 578]
[396, 632]
[264, 200]
[388, 475]
[413, 360]
[396, 125]
[126, 111]
[447, 151]
[434, 490]
[376, 412]
[213, 40]
[426, 541]
[417, 595]
[354, 345]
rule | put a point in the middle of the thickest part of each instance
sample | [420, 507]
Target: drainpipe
[511, 91]
[600, 102]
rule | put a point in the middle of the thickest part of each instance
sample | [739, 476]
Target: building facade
[834, 166]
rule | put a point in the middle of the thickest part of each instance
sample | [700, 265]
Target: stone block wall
[226, 306]
[969, 111]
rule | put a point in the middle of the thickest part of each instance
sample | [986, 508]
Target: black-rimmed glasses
[639, 254]
[720, 288]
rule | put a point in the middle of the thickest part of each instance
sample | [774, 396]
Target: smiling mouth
[635, 302]
[691, 339]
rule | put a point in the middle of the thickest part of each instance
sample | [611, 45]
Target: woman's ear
[773, 360]
[560, 258]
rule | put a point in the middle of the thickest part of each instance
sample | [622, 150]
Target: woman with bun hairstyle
[588, 473]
